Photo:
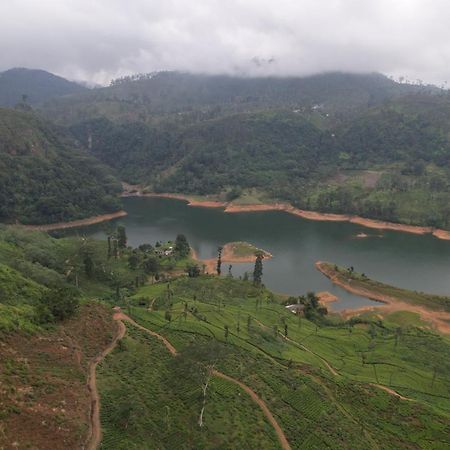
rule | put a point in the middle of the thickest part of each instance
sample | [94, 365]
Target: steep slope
[36, 85]
[45, 178]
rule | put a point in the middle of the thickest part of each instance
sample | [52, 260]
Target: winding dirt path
[392, 392]
[120, 316]
[95, 435]
[280, 434]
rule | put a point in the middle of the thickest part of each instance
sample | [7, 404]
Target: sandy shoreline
[310, 215]
[75, 223]
[326, 298]
[439, 319]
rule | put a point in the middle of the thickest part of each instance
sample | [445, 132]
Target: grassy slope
[315, 408]
[138, 381]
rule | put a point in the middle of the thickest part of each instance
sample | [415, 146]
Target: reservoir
[405, 260]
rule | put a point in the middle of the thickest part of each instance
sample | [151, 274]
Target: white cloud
[100, 39]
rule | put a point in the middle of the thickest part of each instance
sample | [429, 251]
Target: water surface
[410, 261]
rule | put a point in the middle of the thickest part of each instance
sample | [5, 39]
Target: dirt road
[95, 435]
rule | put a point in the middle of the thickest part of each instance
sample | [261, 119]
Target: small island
[234, 252]
[242, 252]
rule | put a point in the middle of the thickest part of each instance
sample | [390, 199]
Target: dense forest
[382, 152]
[45, 178]
[344, 143]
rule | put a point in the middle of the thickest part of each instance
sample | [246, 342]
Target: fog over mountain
[96, 40]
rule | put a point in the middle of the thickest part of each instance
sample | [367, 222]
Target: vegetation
[26, 86]
[43, 279]
[341, 143]
[312, 376]
[313, 372]
[44, 178]
[334, 143]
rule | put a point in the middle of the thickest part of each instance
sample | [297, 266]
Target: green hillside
[342, 143]
[45, 177]
[322, 379]
[319, 378]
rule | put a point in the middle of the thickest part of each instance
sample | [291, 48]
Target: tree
[258, 270]
[121, 237]
[133, 261]
[182, 247]
[58, 304]
[193, 270]
[88, 265]
[151, 265]
[219, 260]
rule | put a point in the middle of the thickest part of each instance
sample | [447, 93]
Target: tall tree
[121, 236]
[258, 270]
[219, 260]
[182, 247]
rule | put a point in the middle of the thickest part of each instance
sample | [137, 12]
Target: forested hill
[45, 178]
[198, 97]
[344, 143]
[33, 86]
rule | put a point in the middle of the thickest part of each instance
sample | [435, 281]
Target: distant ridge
[37, 85]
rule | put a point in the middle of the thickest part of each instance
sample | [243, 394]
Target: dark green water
[420, 263]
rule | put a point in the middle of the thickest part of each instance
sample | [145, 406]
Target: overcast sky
[97, 40]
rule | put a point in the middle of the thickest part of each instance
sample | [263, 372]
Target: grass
[315, 408]
[148, 396]
[243, 249]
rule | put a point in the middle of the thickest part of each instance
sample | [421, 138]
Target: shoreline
[230, 207]
[388, 304]
[75, 223]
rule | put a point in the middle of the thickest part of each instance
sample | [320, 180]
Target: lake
[410, 261]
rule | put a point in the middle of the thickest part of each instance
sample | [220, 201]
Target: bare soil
[44, 399]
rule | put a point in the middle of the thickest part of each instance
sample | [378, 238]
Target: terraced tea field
[322, 382]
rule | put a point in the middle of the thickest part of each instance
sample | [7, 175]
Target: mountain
[37, 85]
[188, 97]
[45, 177]
[343, 143]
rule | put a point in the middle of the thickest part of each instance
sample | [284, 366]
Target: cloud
[97, 40]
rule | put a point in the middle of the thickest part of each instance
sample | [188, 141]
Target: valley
[163, 281]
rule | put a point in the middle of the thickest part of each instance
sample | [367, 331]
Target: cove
[417, 262]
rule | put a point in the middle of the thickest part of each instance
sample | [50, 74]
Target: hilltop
[37, 86]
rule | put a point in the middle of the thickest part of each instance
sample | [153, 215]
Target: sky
[98, 40]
